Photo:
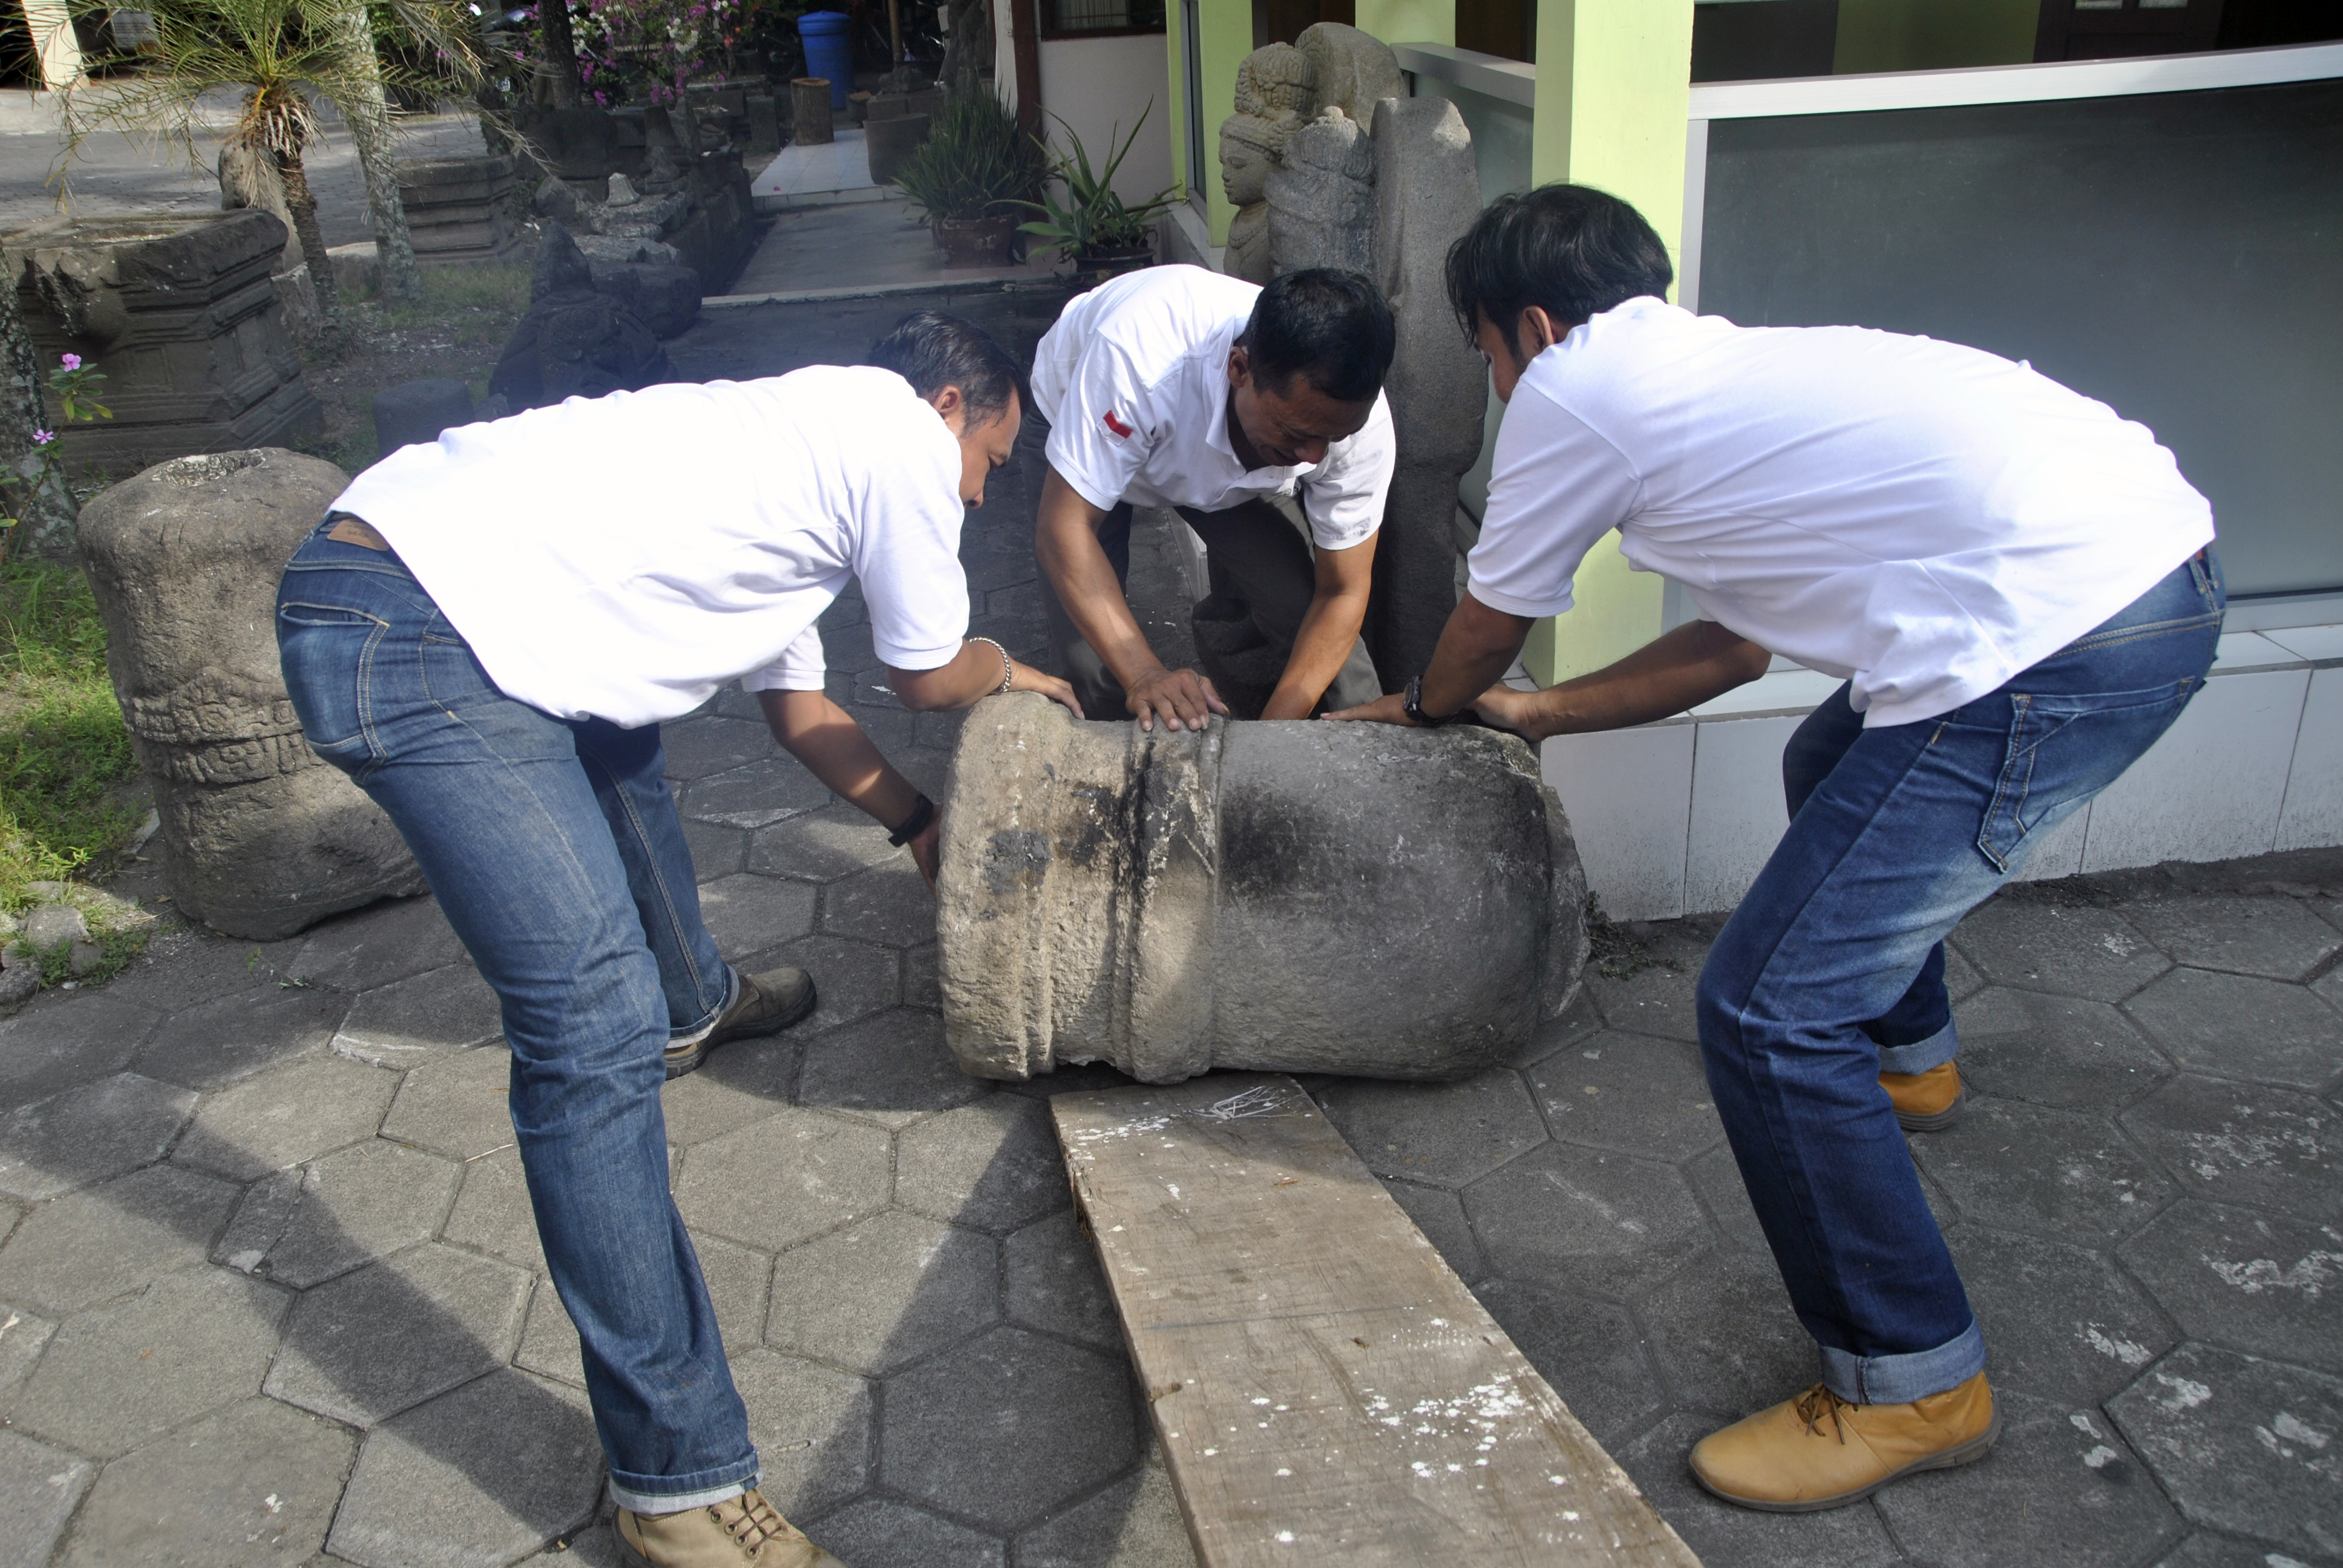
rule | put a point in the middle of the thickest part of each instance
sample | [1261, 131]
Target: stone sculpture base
[459, 210]
[1294, 897]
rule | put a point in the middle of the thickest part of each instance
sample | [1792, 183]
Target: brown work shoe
[1927, 1101]
[769, 1001]
[744, 1532]
[1818, 1450]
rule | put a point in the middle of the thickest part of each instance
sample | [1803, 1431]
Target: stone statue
[1275, 96]
[1275, 82]
[1321, 197]
[1354, 71]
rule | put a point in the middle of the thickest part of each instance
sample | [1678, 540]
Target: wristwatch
[1413, 706]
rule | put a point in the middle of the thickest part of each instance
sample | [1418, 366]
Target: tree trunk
[44, 512]
[313, 242]
[367, 113]
[560, 51]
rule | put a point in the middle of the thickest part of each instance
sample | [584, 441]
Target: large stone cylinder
[262, 837]
[1305, 896]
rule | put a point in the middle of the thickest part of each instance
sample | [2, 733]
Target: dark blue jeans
[1831, 970]
[556, 855]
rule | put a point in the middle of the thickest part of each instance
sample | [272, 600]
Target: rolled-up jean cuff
[1900, 1379]
[1933, 1051]
[707, 1026]
[677, 1493]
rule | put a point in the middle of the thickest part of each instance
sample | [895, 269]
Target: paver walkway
[269, 1294]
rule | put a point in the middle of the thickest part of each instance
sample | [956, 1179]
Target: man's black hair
[1572, 251]
[1333, 325]
[933, 351]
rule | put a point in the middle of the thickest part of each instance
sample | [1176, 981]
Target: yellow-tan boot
[1818, 1450]
[1927, 1101]
[745, 1532]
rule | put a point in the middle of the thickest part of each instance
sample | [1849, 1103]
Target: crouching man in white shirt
[2016, 584]
[485, 634]
[1175, 387]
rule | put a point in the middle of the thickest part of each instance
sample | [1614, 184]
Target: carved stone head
[1250, 146]
[1277, 81]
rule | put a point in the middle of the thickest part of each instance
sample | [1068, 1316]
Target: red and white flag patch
[1117, 425]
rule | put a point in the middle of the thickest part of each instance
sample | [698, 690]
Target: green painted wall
[1933, 34]
[1227, 29]
[1409, 21]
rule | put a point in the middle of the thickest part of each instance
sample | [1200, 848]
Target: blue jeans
[1831, 970]
[557, 854]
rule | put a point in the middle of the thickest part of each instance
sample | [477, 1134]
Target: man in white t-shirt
[486, 633]
[1175, 387]
[2017, 588]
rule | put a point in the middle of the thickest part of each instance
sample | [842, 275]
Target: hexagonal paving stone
[2059, 1487]
[2272, 937]
[39, 1487]
[1961, 977]
[2071, 950]
[1133, 1523]
[2203, 1551]
[883, 1292]
[852, 979]
[2057, 1173]
[811, 1426]
[1445, 1134]
[716, 850]
[699, 748]
[1579, 1218]
[992, 1166]
[24, 1333]
[2053, 1049]
[212, 1045]
[105, 1240]
[791, 1177]
[287, 1115]
[1662, 997]
[473, 1479]
[56, 1041]
[548, 1341]
[305, 1226]
[879, 1530]
[1052, 1281]
[748, 913]
[738, 1086]
[254, 1485]
[1589, 1350]
[492, 1212]
[2060, 1322]
[1717, 1178]
[407, 1022]
[1723, 1536]
[119, 1375]
[2243, 1144]
[757, 795]
[2258, 1281]
[1723, 1335]
[88, 1134]
[366, 1346]
[375, 945]
[1580, 1017]
[888, 903]
[1629, 1092]
[821, 846]
[460, 1106]
[2230, 1026]
[1006, 1427]
[891, 1068]
[2249, 1446]
[1440, 1215]
[923, 977]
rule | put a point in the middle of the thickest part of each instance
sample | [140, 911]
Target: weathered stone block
[666, 298]
[1241, 898]
[263, 836]
[1321, 197]
[574, 342]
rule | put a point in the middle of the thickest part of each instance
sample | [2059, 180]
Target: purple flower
[43, 437]
[70, 361]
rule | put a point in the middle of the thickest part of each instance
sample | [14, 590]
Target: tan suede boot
[1927, 1101]
[745, 1532]
[1818, 1450]
[767, 1003]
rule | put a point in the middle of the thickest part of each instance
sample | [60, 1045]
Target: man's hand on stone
[1183, 698]
[1025, 677]
[1387, 710]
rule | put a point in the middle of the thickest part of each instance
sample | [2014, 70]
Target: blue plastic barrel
[828, 51]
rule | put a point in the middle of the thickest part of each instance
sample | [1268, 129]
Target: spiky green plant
[975, 161]
[1095, 220]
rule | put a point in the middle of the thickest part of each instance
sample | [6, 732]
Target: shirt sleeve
[1555, 488]
[800, 667]
[1344, 496]
[907, 557]
[1104, 428]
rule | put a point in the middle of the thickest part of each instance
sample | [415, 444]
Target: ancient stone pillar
[459, 210]
[1294, 897]
[1276, 93]
[262, 838]
[1321, 197]
[1427, 193]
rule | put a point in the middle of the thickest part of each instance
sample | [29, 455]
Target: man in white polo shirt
[1175, 387]
[2017, 588]
[486, 633]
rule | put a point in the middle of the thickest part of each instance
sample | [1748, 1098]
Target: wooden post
[809, 111]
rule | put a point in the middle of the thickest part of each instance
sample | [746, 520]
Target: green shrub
[976, 161]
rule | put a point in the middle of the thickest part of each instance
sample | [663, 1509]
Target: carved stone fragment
[1321, 197]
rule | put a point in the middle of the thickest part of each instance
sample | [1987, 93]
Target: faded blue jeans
[1831, 970]
[558, 857]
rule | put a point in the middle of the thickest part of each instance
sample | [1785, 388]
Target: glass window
[1074, 17]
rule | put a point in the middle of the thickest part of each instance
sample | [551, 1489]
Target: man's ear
[1536, 332]
[948, 403]
[1240, 366]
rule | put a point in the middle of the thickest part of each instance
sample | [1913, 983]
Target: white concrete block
[1628, 793]
[2312, 817]
[2240, 650]
[2316, 642]
[1792, 689]
[1738, 812]
[2210, 790]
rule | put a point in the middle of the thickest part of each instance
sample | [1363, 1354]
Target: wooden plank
[1327, 1389]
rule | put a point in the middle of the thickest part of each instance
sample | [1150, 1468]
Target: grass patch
[64, 752]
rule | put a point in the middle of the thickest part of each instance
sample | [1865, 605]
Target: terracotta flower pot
[977, 241]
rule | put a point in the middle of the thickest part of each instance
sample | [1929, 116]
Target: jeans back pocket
[327, 651]
[2066, 748]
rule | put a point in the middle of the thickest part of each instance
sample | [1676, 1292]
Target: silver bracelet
[1007, 670]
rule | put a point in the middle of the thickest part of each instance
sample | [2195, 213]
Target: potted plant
[1094, 229]
[971, 175]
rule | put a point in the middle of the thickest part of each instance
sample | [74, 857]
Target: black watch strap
[1412, 705]
[915, 824]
